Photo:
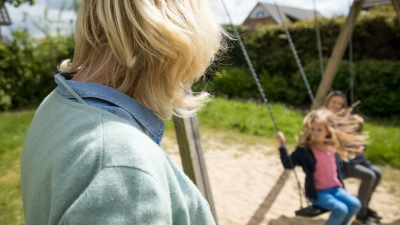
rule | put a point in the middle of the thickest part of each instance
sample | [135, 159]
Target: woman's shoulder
[126, 145]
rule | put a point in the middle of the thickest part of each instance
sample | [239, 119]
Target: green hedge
[375, 36]
[375, 84]
[376, 51]
[27, 67]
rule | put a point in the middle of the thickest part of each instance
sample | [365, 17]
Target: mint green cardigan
[84, 165]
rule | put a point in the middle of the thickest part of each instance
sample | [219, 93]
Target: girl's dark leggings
[370, 176]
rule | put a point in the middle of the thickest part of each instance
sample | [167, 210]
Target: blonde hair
[352, 124]
[344, 141]
[152, 50]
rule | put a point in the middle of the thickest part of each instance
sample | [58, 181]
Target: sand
[250, 186]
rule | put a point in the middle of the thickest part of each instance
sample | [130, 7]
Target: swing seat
[311, 211]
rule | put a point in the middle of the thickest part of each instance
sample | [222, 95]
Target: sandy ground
[251, 187]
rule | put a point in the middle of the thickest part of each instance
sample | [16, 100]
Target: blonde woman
[358, 167]
[92, 154]
[319, 153]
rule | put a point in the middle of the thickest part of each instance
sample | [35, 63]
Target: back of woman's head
[152, 50]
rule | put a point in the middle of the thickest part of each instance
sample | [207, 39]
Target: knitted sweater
[84, 165]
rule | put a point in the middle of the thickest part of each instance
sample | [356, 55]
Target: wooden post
[192, 156]
[338, 51]
[396, 5]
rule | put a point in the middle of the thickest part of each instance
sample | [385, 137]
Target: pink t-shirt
[325, 175]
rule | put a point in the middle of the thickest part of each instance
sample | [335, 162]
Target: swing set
[327, 77]
[189, 142]
[310, 210]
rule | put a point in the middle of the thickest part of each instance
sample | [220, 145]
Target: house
[264, 13]
[4, 17]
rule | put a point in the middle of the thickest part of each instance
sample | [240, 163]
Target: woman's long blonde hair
[152, 50]
[344, 141]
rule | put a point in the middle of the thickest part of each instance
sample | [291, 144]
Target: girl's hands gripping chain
[281, 138]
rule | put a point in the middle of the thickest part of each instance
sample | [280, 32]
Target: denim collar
[142, 114]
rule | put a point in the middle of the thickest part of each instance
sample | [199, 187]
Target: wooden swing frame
[188, 134]
[340, 48]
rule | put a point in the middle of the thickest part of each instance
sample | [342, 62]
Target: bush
[375, 46]
[375, 37]
[375, 84]
[235, 83]
[28, 66]
[275, 87]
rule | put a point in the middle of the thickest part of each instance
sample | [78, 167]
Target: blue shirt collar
[142, 114]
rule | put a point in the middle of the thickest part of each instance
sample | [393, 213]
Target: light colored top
[325, 175]
[84, 165]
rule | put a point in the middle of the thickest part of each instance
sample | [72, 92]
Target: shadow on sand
[283, 220]
[265, 206]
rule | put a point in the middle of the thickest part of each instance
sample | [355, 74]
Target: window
[260, 13]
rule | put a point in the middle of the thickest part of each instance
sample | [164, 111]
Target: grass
[13, 127]
[237, 121]
[254, 119]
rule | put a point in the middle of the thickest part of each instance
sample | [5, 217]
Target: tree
[17, 3]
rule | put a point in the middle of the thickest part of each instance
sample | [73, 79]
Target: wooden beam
[192, 156]
[338, 51]
[396, 4]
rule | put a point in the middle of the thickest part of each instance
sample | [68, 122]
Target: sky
[34, 16]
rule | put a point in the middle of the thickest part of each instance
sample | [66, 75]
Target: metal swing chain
[351, 61]
[253, 72]
[319, 45]
[262, 93]
[296, 56]
[307, 86]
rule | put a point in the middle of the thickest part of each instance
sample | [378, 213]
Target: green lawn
[241, 118]
[13, 127]
[254, 119]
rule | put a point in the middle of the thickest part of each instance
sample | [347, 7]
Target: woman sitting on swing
[359, 167]
[319, 153]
